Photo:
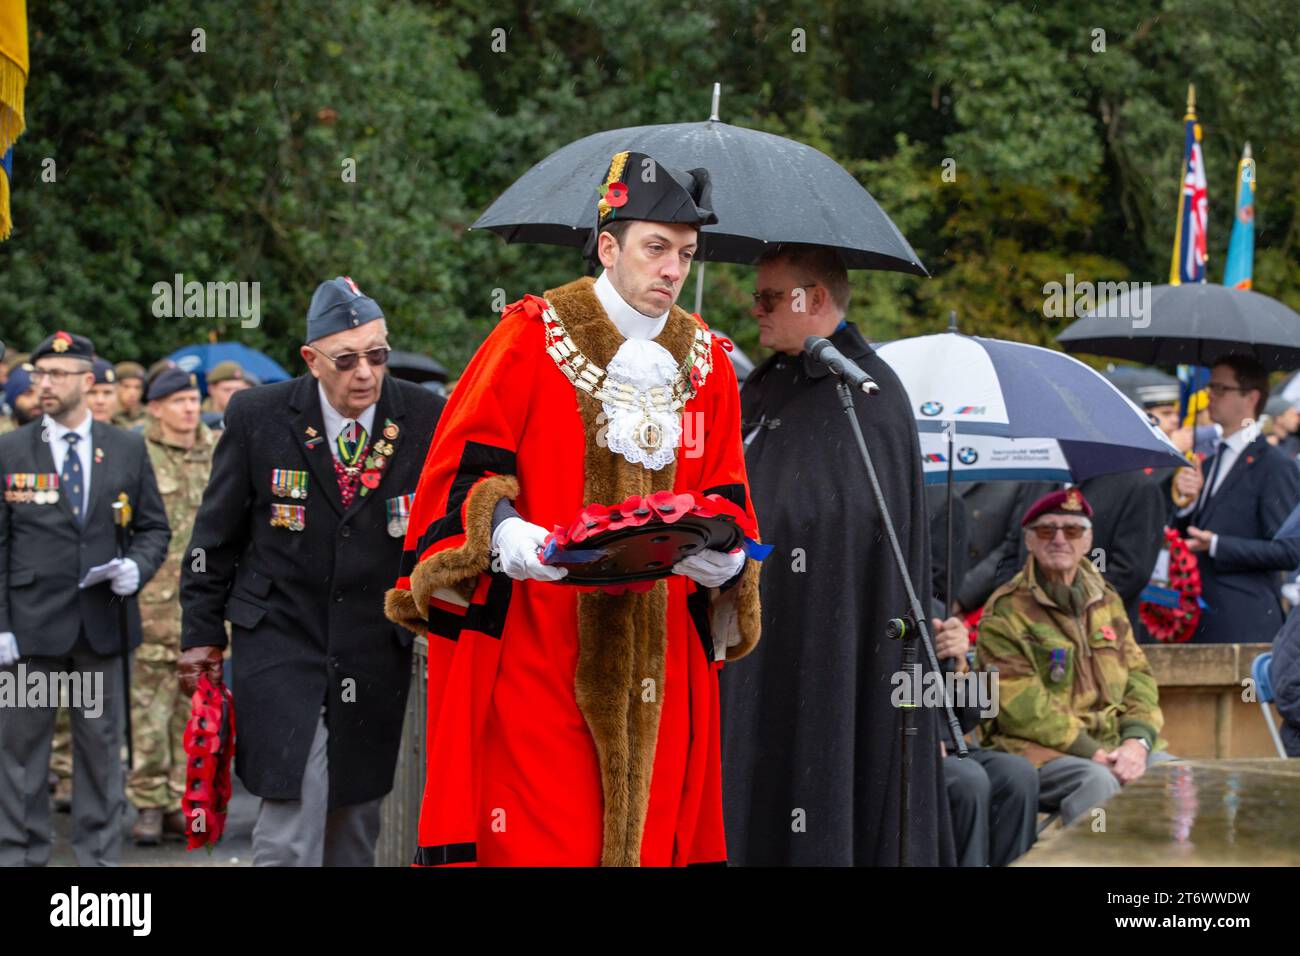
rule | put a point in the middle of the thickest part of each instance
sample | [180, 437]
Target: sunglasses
[768, 299]
[1046, 532]
[347, 361]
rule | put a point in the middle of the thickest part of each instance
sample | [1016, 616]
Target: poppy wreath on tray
[1175, 625]
[662, 507]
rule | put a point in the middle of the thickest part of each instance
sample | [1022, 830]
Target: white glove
[710, 568]
[126, 579]
[516, 542]
[8, 648]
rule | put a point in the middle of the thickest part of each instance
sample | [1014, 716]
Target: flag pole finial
[1191, 101]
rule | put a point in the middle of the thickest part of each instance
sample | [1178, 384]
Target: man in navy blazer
[1244, 492]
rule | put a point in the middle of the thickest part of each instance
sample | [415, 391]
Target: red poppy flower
[370, 479]
[592, 520]
[632, 513]
[669, 507]
[616, 195]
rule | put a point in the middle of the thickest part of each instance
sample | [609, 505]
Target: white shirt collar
[1237, 441]
[57, 431]
[334, 420]
[626, 319]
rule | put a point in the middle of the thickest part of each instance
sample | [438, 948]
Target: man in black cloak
[811, 752]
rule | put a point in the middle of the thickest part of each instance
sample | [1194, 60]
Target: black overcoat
[306, 607]
[810, 735]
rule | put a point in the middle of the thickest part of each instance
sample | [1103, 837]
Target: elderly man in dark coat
[298, 537]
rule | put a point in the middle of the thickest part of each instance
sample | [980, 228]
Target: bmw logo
[967, 455]
[931, 408]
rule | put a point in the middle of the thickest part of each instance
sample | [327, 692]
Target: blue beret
[338, 305]
[20, 380]
[103, 369]
[170, 381]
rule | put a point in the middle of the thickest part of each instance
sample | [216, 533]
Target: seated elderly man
[1077, 697]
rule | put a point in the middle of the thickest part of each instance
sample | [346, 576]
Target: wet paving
[1191, 813]
[235, 849]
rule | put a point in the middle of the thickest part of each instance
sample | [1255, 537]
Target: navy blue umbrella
[200, 359]
[1010, 410]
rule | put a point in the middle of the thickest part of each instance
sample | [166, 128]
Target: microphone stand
[907, 721]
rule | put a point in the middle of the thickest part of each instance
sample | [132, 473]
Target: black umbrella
[1144, 385]
[766, 189]
[415, 367]
[1191, 324]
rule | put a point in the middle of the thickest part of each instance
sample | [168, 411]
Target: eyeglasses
[1220, 389]
[347, 361]
[767, 299]
[56, 375]
[1046, 532]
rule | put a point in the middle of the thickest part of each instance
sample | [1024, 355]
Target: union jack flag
[1190, 252]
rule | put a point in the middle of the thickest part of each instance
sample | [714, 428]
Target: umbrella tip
[717, 95]
[952, 321]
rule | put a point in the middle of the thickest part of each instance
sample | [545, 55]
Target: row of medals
[286, 490]
[39, 496]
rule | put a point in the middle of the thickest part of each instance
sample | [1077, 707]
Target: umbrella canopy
[766, 189]
[200, 358]
[415, 367]
[1143, 385]
[1019, 411]
[1191, 324]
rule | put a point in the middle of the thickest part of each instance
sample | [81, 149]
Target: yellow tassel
[6, 222]
[13, 85]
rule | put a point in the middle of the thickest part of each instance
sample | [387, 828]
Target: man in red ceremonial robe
[572, 727]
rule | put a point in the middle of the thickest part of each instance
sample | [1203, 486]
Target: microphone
[822, 350]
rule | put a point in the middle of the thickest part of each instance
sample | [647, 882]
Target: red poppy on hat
[616, 195]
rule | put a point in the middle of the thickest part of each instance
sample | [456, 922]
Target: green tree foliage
[228, 164]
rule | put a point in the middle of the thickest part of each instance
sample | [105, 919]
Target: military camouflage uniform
[158, 709]
[1067, 684]
[123, 419]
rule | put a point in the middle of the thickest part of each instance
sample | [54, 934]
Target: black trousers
[994, 802]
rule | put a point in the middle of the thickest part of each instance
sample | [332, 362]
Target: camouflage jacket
[182, 476]
[137, 422]
[1066, 684]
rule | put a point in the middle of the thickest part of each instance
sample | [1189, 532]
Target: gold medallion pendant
[649, 435]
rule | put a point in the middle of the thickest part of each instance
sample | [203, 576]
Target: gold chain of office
[593, 379]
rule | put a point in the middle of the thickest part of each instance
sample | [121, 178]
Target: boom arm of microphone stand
[914, 603]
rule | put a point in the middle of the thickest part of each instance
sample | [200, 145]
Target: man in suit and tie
[1243, 493]
[62, 474]
[301, 532]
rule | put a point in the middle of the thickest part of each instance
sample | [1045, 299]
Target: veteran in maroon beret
[1077, 696]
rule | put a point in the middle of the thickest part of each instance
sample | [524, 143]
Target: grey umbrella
[766, 189]
[1190, 324]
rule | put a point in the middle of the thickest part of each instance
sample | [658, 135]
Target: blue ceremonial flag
[1239, 269]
